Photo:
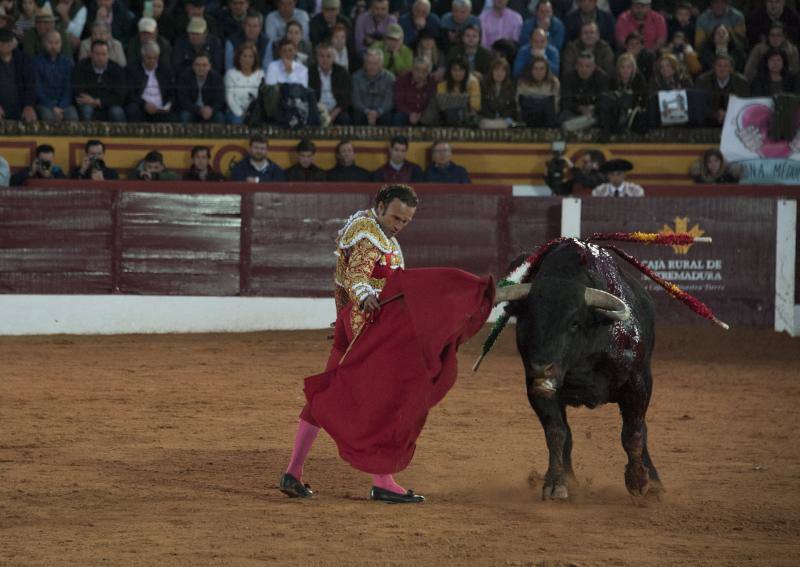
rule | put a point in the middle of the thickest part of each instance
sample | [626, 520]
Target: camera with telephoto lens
[555, 174]
[45, 164]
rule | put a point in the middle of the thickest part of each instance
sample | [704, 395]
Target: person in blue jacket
[442, 169]
[256, 167]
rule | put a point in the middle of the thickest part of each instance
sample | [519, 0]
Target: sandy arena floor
[166, 450]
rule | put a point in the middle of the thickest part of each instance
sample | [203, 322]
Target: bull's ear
[606, 304]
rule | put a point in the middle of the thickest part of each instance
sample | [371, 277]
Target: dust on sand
[166, 450]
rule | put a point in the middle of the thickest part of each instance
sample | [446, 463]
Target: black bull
[585, 333]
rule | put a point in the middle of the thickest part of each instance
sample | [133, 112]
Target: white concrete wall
[119, 314]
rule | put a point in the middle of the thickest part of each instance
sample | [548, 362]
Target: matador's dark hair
[389, 193]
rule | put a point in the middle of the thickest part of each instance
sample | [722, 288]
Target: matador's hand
[371, 305]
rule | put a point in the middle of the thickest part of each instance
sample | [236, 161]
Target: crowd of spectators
[489, 64]
[255, 167]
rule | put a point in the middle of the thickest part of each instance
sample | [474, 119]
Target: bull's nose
[543, 370]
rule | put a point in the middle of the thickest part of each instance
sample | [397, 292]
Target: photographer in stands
[152, 168]
[42, 167]
[93, 165]
[556, 170]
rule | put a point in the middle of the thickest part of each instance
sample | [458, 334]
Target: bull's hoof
[636, 479]
[555, 492]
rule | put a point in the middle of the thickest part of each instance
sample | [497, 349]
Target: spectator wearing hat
[71, 16]
[397, 56]
[197, 9]
[54, 82]
[417, 19]
[616, 186]
[286, 11]
[719, 83]
[501, 22]
[321, 25]
[194, 42]
[151, 87]
[371, 25]
[148, 31]
[589, 12]
[252, 32]
[641, 18]
[101, 31]
[17, 81]
[373, 91]
[305, 169]
[413, 92]
[719, 12]
[201, 96]
[456, 21]
[331, 84]
[545, 19]
[346, 169]
[442, 169]
[759, 22]
[33, 40]
[99, 86]
[477, 56]
[116, 14]
[398, 169]
[201, 169]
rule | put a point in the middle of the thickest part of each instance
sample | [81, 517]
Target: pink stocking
[387, 482]
[306, 433]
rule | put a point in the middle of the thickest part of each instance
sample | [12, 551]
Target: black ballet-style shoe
[383, 495]
[293, 488]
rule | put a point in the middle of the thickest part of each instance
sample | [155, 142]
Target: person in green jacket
[397, 57]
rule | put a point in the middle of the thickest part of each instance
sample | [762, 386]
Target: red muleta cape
[375, 403]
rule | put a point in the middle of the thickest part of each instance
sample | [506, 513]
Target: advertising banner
[735, 275]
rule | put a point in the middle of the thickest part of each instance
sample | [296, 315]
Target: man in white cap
[148, 32]
[617, 186]
[194, 42]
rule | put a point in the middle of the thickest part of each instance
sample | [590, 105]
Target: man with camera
[152, 168]
[42, 167]
[93, 165]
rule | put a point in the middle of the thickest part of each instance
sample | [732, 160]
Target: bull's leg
[567, 460]
[556, 434]
[639, 471]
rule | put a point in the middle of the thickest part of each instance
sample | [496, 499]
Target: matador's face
[395, 216]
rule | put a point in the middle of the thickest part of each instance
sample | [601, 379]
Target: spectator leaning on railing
[201, 169]
[397, 168]
[711, 168]
[256, 167]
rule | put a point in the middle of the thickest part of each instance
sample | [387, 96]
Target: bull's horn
[609, 305]
[512, 292]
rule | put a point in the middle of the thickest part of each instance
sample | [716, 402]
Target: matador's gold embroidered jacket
[366, 258]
